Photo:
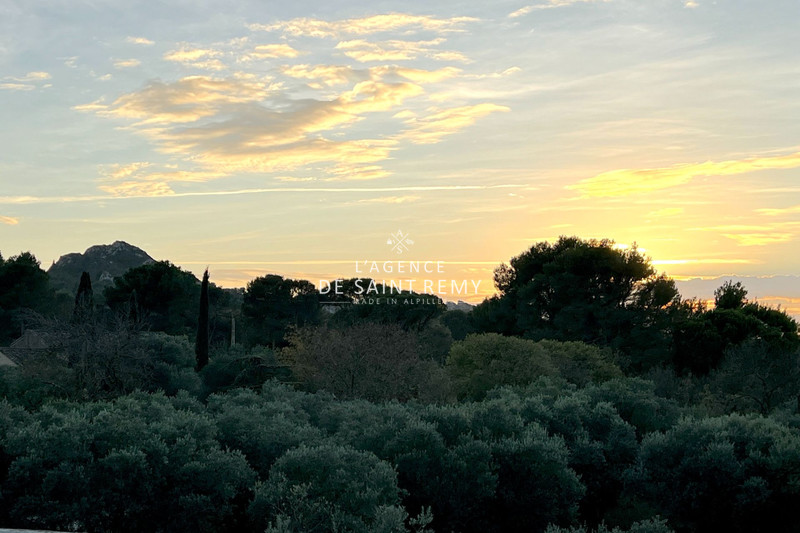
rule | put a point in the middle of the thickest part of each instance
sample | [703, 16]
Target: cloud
[666, 212]
[33, 76]
[225, 126]
[772, 212]
[118, 171]
[139, 40]
[431, 129]
[690, 4]
[27, 82]
[563, 3]
[625, 182]
[759, 239]
[521, 11]
[660, 262]
[30, 200]
[390, 200]
[364, 26]
[11, 221]
[129, 180]
[16, 87]
[126, 63]
[267, 51]
[186, 100]
[321, 75]
[200, 58]
[247, 122]
[395, 50]
[344, 172]
[138, 189]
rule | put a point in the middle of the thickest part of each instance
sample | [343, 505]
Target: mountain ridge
[103, 262]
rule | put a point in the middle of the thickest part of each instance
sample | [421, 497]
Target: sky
[308, 138]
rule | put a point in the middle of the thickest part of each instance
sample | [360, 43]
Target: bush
[329, 488]
[732, 473]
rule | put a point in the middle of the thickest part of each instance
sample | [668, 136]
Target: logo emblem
[399, 242]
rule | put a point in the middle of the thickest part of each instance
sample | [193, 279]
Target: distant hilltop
[103, 262]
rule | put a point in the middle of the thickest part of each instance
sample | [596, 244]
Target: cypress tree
[84, 299]
[201, 344]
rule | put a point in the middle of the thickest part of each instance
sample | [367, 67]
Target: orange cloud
[625, 182]
[11, 221]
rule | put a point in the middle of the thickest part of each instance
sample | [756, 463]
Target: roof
[5, 361]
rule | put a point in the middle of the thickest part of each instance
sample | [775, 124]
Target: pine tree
[201, 344]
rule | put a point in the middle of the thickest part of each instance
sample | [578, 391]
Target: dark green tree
[730, 296]
[271, 304]
[201, 342]
[701, 337]
[166, 297]
[24, 287]
[84, 299]
[578, 290]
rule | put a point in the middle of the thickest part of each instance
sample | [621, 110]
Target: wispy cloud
[666, 212]
[431, 128]
[26, 82]
[772, 212]
[16, 87]
[520, 12]
[759, 239]
[139, 40]
[126, 63]
[390, 200]
[637, 181]
[11, 221]
[364, 26]
[200, 58]
[321, 75]
[270, 51]
[712, 261]
[30, 200]
[396, 50]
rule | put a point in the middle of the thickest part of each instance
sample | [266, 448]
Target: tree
[201, 342]
[165, 297]
[329, 488]
[755, 376]
[24, 287]
[375, 302]
[730, 296]
[271, 304]
[701, 337]
[573, 289]
[733, 473]
[84, 299]
[481, 362]
[372, 361]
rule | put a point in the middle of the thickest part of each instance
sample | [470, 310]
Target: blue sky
[255, 137]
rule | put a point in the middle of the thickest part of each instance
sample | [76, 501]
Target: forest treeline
[587, 395]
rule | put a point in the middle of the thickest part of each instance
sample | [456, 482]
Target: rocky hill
[103, 262]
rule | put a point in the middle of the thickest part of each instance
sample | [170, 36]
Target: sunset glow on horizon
[295, 139]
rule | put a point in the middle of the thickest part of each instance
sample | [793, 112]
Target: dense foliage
[585, 397]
